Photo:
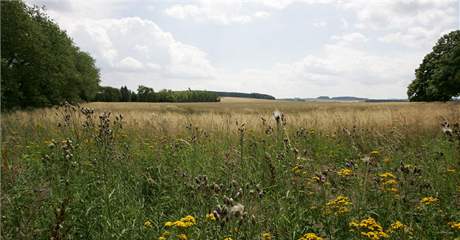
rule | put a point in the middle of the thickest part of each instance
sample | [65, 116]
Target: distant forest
[147, 94]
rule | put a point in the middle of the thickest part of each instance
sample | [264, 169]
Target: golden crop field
[232, 170]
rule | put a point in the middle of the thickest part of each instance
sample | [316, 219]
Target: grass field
[230, 170]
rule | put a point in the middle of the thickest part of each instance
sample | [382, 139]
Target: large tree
[41, 66]
[438, 76]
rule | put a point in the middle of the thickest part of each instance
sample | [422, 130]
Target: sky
[286, 48]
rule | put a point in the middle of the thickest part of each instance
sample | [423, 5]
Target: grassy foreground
[232, 171]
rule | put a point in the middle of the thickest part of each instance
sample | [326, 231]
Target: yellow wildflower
[188, 218]
[428, 200]
[266, 236]
[390, 182]
[182, 236]
[310, 236]
[398, 226]
[455, 225]
[387, 175]
[228, 238]
[344, 172]
[165, 234]
[184, 222]
[339, 205]
[297, 169]
[210, 217]
[161, 238]
[368, 228]
[147, 224]
[169, 224]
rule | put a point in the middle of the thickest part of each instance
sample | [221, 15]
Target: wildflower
[266, 236]
[297, 169]
[344, 172]
[398, 226]
[182, 236]
[189, 219]
[368, 228]
[387, 175]
[169, 224]
[339, 205]
[375, 153]
[455, 225]
[210, 217]
[147, 224]
[310, 236]
[389, 182]
[184, 222]
[428, 200]
[228, 238]
[164, 235]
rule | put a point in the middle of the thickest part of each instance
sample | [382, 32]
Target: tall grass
[333, 171]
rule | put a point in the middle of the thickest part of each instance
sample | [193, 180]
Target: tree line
[146, 94]
[40, 64]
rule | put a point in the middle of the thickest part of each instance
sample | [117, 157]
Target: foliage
[96, 175]
[41, 66]
[438, 76]
[245, 95]
[146, 94]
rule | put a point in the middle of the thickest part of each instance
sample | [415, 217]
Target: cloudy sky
[287, 48]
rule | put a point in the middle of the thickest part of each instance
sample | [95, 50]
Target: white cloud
[414, 23]
[138, 45]
[216, 11]
[338, 69]
[130, 64]
[319, 24]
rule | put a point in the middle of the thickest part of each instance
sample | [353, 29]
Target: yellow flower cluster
[398, 226]
[147, 224]
[387, 175]
[297, 169]
[369, 228]
[375, 153]
[389, 182]
[428, 200]
[345, 172]
[164, 235]
[228, 238]
[184, 222]
[310, 236]
[182, 236]
[210, 217]
[455, 225]
[339, 205]
[266, 236]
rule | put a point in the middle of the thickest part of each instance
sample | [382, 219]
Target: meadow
[237, 169]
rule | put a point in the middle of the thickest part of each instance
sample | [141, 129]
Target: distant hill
[344, 99]
[244, 95]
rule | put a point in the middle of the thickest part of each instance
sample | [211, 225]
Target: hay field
[171, 118]
[230, 170]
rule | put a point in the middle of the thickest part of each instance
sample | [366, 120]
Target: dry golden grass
[323, 116]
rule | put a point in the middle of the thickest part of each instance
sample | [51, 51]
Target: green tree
[40, 64]
[438, 76]
[108, 94]
[125, 94]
